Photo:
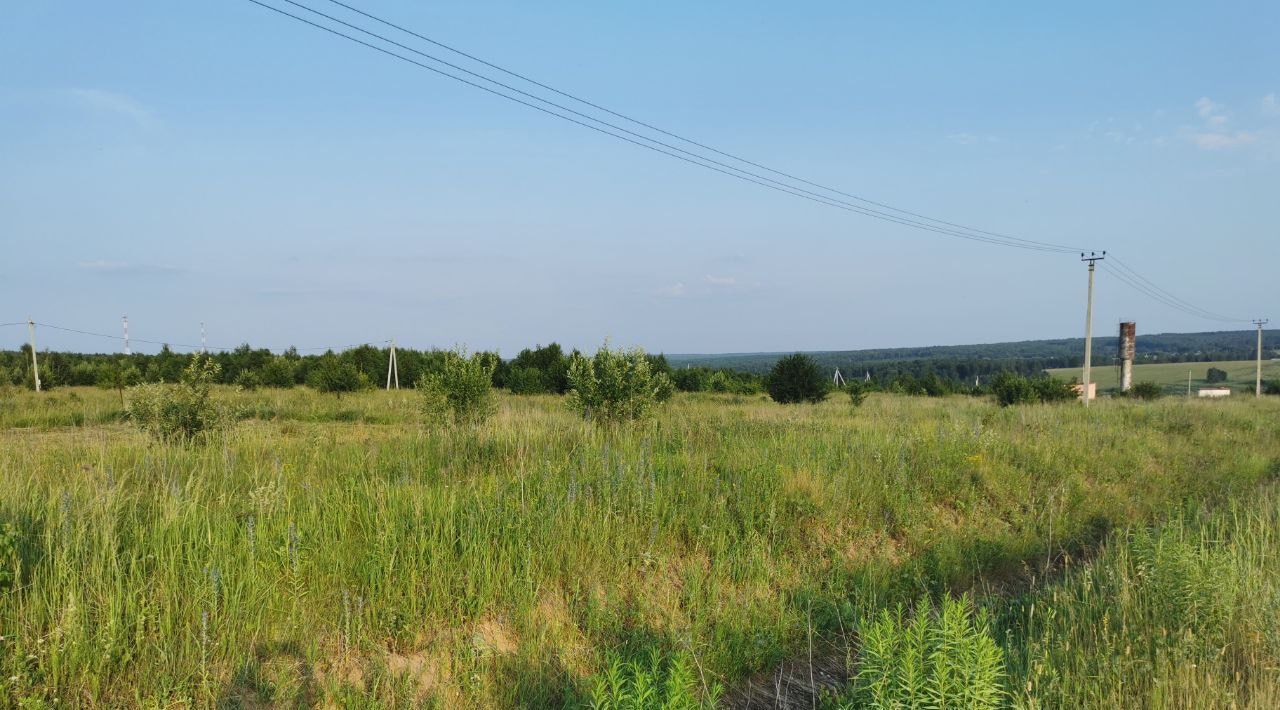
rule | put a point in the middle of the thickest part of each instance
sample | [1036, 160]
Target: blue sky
[211, 161]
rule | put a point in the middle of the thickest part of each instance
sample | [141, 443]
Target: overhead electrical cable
[796, 187]
[652, 143]
[188, 346]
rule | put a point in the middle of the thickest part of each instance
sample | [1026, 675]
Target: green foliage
[279, 372]
[1182, 615]
[616, 385]
[1271, 387]
[1215, 375]
[10, 561]
[654, 683]
[1010, 389]
[929, 660]
[118, 375]
[181, 412]
[543, 369]
[336, 375]
[858, 390]
[248, 380]
[526, 380]
[1145, 391]
[796, 378]
[461, 391]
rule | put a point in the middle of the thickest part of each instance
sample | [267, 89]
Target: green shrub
[1145, 391]
[616, 385]
[1215, 375]
[1271, 387]
[1011, 388]
[796, 378]
[333, 374]
[942, 659]
[461, 390]
[248, 380]
[526, 380]
[119, 376]
[279, 372]
[858, 391]
[181, 412]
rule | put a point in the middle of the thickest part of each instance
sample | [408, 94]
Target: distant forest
[544, 369]
[1029, 357]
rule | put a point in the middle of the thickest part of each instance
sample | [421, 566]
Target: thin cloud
[114, 104]
[722, 281]
[1215, 132]
[1270, 105]
[675, 290]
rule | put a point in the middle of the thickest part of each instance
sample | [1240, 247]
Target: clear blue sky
[210, 161]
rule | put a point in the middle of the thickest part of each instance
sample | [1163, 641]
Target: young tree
[858, 391]
[1215, 375]
[462, 390]
[616, 385]
[180, 412]
[118, 375]
[796, 378]
[333, 374]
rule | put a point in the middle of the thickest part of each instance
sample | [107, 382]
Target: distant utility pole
[838, 379]
[1093, 258]
[125, 321]
[1258, 379]
[1188, 384]
[203, 348]
[35, 366]
[393, 371]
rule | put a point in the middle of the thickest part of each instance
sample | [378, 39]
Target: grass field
[326, 551]
[1172, 376]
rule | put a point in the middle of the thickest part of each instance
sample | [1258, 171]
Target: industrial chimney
[1128, 345]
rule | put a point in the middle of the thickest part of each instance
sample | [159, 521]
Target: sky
[215, 162]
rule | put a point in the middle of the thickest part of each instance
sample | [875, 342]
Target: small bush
[1011, 388]
[1215, 375]
[858, 391]
[1145, 391]
[1271, 387]
[333, 374]
[181, 412]
[460, 391]
[796, 378]
[943, 659]
[119, 375]
[616, 385]
[279, 372]
[248, 380]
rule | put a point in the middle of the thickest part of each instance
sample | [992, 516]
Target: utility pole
[35, 366]
[1188, 384]
[1092, 259]
[125, 321]
[1257, 385]
[203, 348]
[393, 369]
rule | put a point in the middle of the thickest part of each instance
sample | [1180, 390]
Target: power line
[189, 346]
[1205, 312]
[663, 131]
[659, 146]
[1123, 272]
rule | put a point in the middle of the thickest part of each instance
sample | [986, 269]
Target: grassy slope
[334, 550]
[1173, 376]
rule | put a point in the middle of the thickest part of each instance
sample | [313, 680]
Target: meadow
[341, 552]
[1172, 376]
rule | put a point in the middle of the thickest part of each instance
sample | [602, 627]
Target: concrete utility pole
[1093, 258]
[35, 366]
[1128, 348]
[1257, 386]
[125, 321]
[203, 348]
[392, 368]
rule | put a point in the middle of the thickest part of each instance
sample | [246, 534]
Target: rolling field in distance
[1172, 376]
[338, 551]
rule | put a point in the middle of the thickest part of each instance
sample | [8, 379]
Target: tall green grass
[329, 550]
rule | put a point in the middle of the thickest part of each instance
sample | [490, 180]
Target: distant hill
[1023, 355]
